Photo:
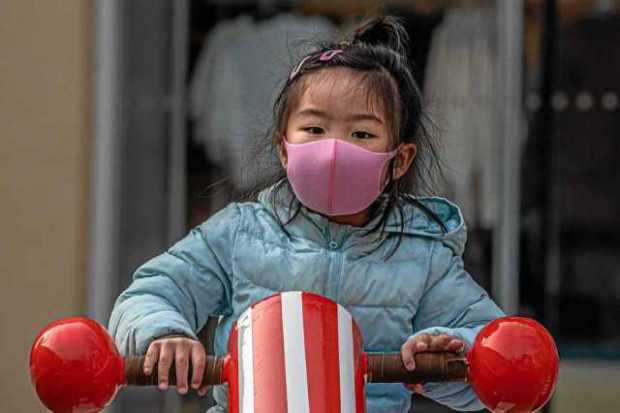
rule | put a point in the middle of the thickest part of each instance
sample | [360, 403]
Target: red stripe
[321, 340]
[269, 375]
[360, 370]
[232, 372]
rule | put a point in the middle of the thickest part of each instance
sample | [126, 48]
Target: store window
[571, 261]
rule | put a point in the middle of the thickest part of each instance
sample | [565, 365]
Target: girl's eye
[315, 130]
[362, 135]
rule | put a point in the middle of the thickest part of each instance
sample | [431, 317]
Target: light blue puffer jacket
[241, 255]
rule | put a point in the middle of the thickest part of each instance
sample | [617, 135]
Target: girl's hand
[427, 342]
[182, 350]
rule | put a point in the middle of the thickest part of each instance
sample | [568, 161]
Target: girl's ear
[404, 157]
[282, 153]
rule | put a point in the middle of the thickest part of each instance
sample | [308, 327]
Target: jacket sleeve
[454, 304]
[176, 291]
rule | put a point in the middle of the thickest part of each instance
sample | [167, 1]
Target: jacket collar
[415, 221]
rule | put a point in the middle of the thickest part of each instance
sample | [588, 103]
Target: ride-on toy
[299, 352]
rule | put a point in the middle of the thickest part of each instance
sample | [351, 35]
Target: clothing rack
[344, 9]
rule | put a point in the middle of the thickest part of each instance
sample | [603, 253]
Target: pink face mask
[335, 177]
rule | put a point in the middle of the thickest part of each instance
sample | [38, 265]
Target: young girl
[349, 128]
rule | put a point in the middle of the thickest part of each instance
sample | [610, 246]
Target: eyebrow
[354, 116]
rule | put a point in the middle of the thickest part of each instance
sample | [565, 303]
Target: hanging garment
[239, 73]
[460, 85]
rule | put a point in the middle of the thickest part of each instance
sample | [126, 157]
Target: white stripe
[294, 353]
[246, 362]
[345, 357]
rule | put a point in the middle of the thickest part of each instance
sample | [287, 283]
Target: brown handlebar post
[430, 367]
[134, 372]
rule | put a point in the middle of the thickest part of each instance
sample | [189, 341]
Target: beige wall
[44, 119]
[588, 386]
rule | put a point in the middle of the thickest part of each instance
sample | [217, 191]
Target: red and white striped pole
[296, 352]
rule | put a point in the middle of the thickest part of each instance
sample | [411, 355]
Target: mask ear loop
[389, 170]
[391, 179]
[394, 161]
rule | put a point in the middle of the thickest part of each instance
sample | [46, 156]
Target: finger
[165, 360]
[202, 391]
[440, 342]
[421, 346]
[406, 352]
[423, 342]
[412, 346]
[199, 360]
[151, 357]
[181, 361]
[418, 388]
[457, 346]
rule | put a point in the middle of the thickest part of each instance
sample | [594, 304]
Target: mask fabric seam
[332, 173]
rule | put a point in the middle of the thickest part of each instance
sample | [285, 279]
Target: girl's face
[335, 104]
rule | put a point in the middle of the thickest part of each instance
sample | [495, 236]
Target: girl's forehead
[338, 90]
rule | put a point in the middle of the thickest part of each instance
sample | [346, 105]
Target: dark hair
[378, 50]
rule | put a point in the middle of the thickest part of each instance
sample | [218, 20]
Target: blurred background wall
[44, 118]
